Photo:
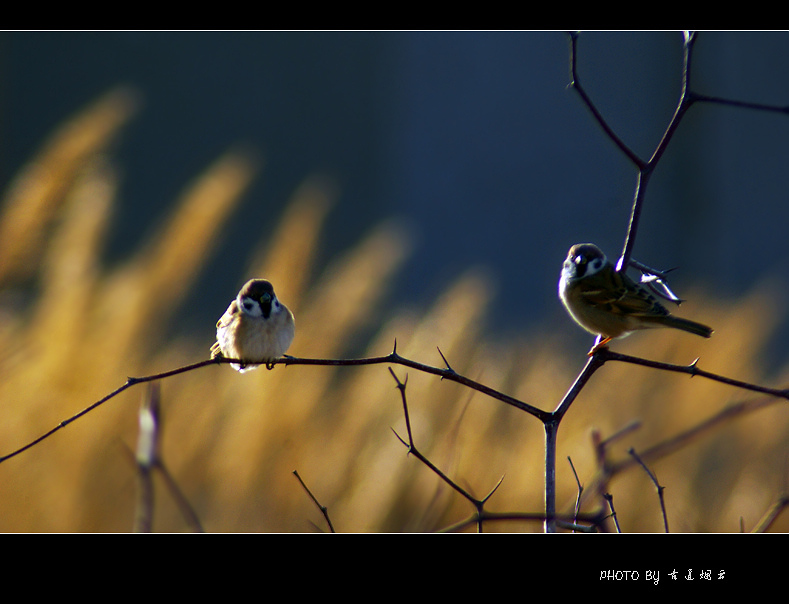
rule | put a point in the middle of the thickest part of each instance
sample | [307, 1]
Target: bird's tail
[689, 326]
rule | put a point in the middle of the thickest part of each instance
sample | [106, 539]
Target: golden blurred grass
[232, 441]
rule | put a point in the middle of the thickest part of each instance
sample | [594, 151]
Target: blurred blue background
[472, 137]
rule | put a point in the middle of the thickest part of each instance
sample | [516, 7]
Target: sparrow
[610, 304]
[256, 327]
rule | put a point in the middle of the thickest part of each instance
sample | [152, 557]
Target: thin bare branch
[129, 383]
[593, 364]
[610, 500]
[479, 504]
[770, 516]
[394, 358]
[645, 170]
[412, 450]
[575, 84]
[608, 470]
[580, 488]
[605, 354]
[324, 510]
[703, 98]
[447, 374]
[187, 511]
[660, 488]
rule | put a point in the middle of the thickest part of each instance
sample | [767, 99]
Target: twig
[686, 100]
[580, 488]
[412, 450]
[394, 358]
[129, 383]
[600, 447]
[668, 446]
[575, 84]
[610, 499]
[186, 509]
[602, 356]
[324, 510]
[605, 354]
[660, 488]
[550, 420]
[593, 364]
[645, 168]
[766, 521]
[446, 374]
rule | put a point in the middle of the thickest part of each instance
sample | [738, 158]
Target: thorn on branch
[693, 367]
[449, 367]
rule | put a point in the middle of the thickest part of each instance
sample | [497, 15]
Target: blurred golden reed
[232, 442]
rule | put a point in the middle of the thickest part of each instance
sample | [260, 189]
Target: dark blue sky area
[473, 137]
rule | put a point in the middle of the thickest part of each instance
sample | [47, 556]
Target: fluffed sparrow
[256, 327]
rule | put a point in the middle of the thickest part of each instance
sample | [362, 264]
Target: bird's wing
[226, 318]
[622, 296]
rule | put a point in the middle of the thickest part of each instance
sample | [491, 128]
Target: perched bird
[256, 327]
[610, 304]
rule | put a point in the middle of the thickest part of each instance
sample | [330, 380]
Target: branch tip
[493, 490]
[400, 438]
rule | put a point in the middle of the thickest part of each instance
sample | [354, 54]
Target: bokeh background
[423, 186]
